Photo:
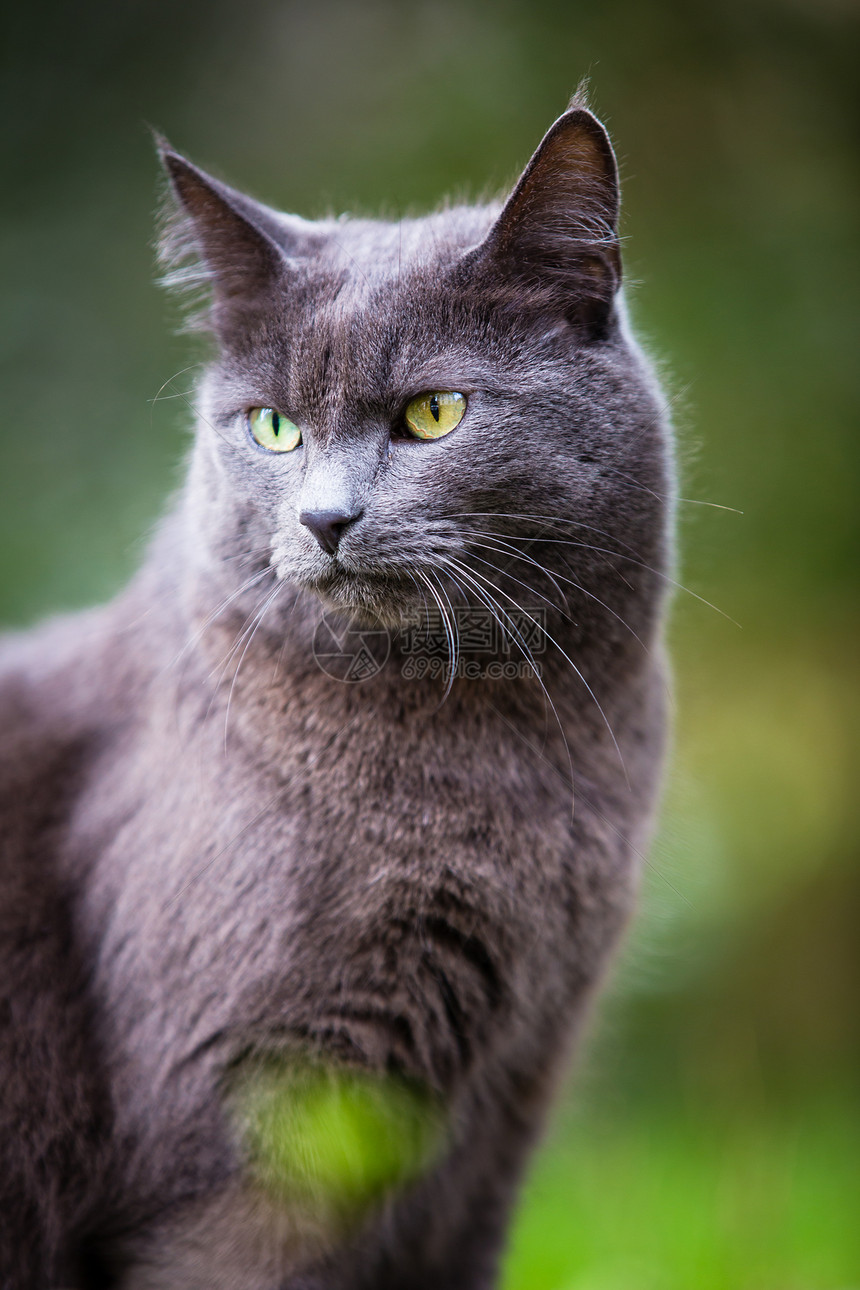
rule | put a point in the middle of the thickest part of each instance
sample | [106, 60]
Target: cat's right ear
[555, 244]
[220, 244]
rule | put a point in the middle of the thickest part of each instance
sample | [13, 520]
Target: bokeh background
[711, 1137]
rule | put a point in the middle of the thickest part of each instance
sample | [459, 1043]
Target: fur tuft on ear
[557, 236]
[216, 246]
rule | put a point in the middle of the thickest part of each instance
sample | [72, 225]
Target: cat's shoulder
[57, 682]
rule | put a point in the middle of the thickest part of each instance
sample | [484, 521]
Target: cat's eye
[272, 430]
[432, 416]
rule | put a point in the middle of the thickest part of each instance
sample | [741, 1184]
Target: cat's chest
[355, 882]
[219, 875]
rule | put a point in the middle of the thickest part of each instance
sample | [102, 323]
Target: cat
[235, 870]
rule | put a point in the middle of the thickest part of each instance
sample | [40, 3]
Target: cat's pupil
[276, 423]
[434, 407]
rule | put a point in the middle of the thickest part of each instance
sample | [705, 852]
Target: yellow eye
[431, 416]
[273, 431]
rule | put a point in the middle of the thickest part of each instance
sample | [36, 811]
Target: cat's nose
[328, 526]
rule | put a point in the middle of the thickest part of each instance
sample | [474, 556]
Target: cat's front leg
[350, 1181]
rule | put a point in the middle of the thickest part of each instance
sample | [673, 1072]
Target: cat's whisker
[455, 634]
[658, 573]
[501, 547]
[688, 501]
[255, 554]
[504, 547]
[543, 537]
[482, 590]
[216, 613]
[547, 520]
[193, 407]
[456, 629]
[578, 586]
[419, 586]
[434, 593]
[717, 506]
[190, 368]
[505, 572]
[179, 394]
[465, 599]
[620, 555]
[273, 594]
[577, 670]
[193, 640]
[423, 595]
[486, 598]
[451, 635]
[623, 622]
[220, 669]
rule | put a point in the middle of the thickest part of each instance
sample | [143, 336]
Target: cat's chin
[369, 602]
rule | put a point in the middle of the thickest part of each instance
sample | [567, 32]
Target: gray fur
[211, 850]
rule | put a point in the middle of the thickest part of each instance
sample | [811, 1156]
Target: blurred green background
[712, 1136]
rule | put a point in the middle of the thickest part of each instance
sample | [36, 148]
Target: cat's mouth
[371, 597]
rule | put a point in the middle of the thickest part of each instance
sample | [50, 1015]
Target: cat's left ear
[218, 239]
[557, 235]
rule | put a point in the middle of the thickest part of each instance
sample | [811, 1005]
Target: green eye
[273, 431]
[431, 416]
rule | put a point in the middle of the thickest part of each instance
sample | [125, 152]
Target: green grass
[675, 1201]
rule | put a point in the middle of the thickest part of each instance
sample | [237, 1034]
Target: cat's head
[397, 410]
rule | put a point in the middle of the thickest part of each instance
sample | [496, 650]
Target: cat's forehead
[376, 314]
[376, 250]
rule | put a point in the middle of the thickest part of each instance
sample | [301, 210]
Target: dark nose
[328, 526]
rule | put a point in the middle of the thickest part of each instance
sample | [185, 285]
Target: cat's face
[399, 410]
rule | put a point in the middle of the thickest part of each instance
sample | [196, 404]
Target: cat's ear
[557, 235]
[218, 239]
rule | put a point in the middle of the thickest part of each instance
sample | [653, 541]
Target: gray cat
[349, 789]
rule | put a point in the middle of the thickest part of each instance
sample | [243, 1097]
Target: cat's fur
[211, 849]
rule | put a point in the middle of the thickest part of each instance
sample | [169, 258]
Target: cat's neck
[256, 659]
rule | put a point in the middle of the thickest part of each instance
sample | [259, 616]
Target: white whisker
[488, 600]
[578, 586]
[569, 660]
[276, 590]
